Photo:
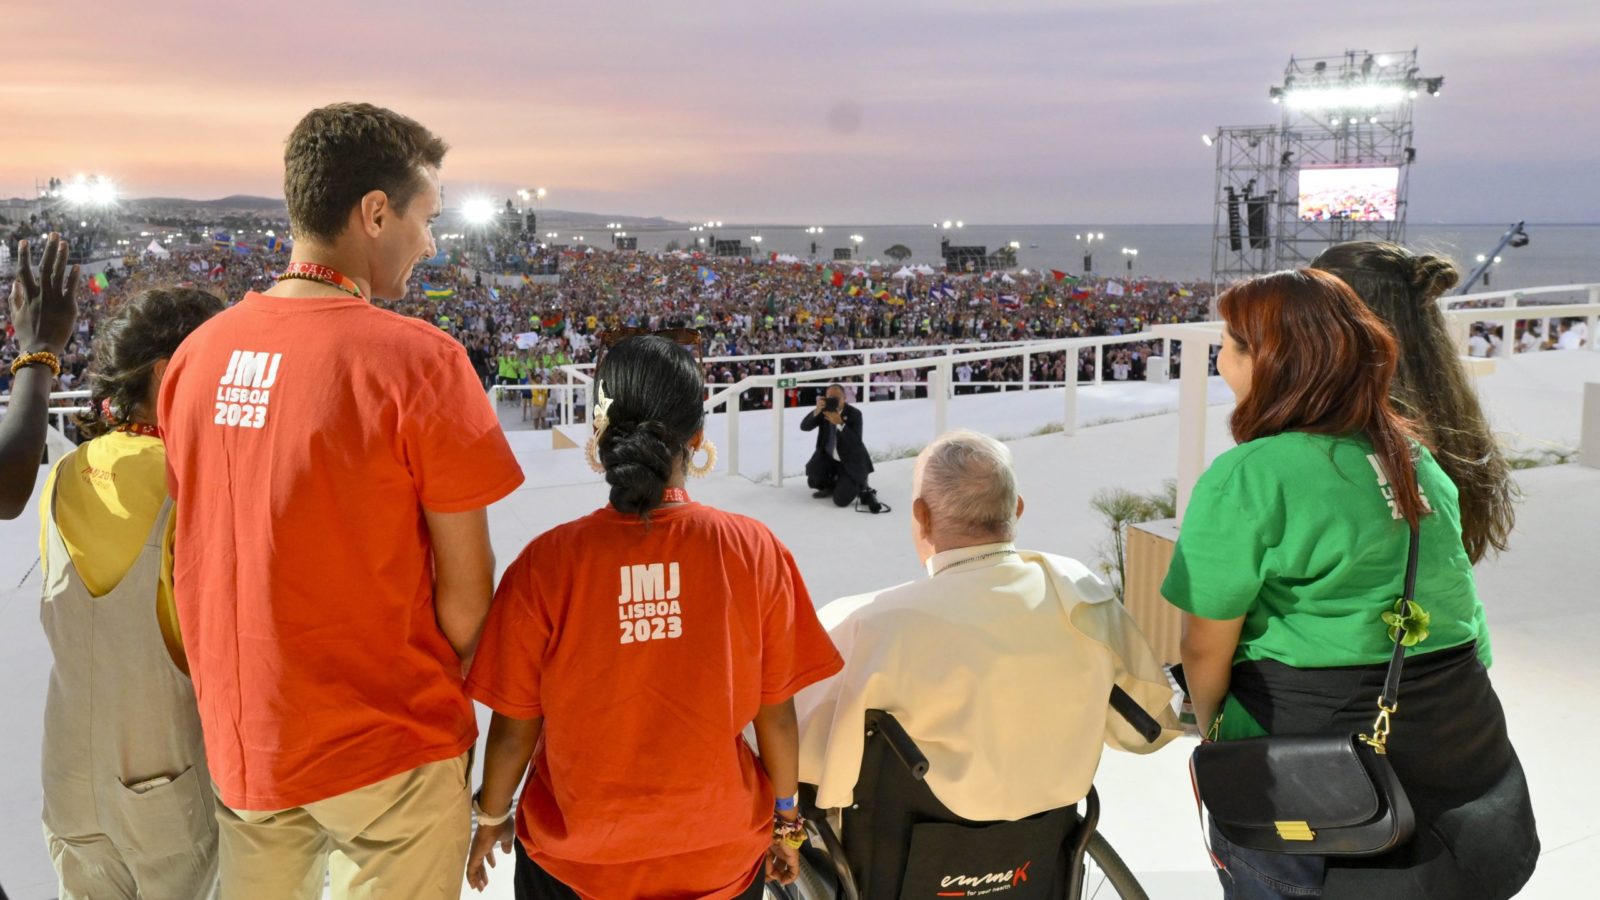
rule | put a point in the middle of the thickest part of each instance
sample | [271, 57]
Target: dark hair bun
[1432, 275]
[638, 459]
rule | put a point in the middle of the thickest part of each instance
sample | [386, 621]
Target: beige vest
[123, 755]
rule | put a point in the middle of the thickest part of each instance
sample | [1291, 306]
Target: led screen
[1362, 195]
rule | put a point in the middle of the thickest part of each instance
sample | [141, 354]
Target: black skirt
[1476, 836]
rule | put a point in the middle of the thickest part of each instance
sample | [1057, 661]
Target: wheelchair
[900, 843]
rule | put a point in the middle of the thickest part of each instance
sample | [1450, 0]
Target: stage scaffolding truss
[1351, 112]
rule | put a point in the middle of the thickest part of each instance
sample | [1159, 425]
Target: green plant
[1118, 509]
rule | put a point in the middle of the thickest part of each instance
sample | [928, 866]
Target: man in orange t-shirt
[333, 462]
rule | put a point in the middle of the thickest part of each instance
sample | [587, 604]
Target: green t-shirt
[1295, 533]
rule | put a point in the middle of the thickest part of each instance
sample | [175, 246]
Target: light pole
[814, 231]
[1131, 254]
[856, 240]
[1087, 240]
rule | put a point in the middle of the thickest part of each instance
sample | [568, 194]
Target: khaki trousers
[93, 868]
[406, 836]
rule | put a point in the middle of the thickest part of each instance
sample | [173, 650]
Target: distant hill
[268, 205]
[274, 208]
[570, 219]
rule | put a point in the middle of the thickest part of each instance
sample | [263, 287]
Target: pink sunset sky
[869, 111]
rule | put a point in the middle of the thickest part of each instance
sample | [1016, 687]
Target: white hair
[967, 482]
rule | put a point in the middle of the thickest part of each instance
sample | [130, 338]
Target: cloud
[890, 111]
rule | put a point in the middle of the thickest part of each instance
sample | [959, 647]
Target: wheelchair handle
[1129, 709]
[902, 744]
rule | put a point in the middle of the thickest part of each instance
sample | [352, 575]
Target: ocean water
[1556, 254]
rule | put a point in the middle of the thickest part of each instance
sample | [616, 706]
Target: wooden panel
[1149, 550]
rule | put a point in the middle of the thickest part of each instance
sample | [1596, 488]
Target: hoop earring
[701, 470]
[591, 450]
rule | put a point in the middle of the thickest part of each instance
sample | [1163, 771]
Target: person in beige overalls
[128, 808]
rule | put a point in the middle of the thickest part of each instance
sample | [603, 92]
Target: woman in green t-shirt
[1293, 547]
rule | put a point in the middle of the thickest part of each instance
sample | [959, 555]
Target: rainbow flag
[433, 292]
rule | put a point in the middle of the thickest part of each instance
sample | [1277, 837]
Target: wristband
[787, 804]
[486, 819]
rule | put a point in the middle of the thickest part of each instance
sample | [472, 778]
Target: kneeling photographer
[841, 464]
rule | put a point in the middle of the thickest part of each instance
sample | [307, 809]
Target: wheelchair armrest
[1129, 709]
[900, 742]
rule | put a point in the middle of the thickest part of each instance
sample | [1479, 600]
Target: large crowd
[519, 331]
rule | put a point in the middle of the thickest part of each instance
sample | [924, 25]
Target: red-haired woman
[1293, 547]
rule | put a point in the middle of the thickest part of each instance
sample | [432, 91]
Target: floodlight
[948, 223]
[1206, 139]
[1383, 60]
[540, 193]
[477, 210]
[1360, 95]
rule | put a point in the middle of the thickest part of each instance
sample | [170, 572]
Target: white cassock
[1000, 667]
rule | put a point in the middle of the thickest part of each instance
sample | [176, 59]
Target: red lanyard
[309, 271]
[141, 428]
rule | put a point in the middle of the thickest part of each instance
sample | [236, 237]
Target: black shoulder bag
[1324, 795]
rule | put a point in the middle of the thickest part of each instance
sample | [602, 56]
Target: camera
[831, 404]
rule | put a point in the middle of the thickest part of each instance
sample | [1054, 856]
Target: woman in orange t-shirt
[626, 653]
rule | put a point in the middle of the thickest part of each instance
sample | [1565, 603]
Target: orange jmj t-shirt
[305, 437]
[647, 649]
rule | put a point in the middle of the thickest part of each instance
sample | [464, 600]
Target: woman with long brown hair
[1293, 550]
[1430, 385]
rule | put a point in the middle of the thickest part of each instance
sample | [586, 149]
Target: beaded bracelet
[43, 357]
[790, 834]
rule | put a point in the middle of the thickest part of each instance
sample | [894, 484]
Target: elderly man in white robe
[999, 664]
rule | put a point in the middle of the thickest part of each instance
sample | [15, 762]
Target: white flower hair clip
[602, 405]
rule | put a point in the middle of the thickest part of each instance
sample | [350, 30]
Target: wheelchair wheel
[1105, 875]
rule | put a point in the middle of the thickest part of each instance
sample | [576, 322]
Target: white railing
[939, 362]
[939, 381]
[1513, 310]
[58, 414]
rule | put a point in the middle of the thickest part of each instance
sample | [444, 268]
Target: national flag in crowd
[437, 292]
[706, 275]
[1185, 292]
[98, 282]
[221, 240]
[855, 290]
[1009, 301]
[276, 244]
[526, 281]
[494, 294]
[1115, 289]
[242, 249]
[660, 281]
[1059, 275]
